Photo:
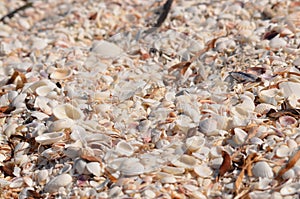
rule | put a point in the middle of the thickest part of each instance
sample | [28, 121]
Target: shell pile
[92, 105]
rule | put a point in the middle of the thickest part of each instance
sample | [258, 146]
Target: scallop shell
[67, 111]
[50, 138]
[262, 169]
[286, 121]
[61, 73]
[57, 182]
[124, 148]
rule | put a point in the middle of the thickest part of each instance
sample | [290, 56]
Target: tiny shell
[277, 43]
[282, 151]
[286, 121]
[94, 168]
[262, 169]
[185, 161]
[240, 136]
[67, 111]
[50, 138]
[59, 181]
[124, 148]
[207, 126]
[203, 171]
[106, 49]
[42, 176]
[61, 73]
[131, 167]
[173, 170]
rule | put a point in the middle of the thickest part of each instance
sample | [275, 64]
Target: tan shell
[61, 73]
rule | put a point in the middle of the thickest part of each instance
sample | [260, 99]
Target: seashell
[59, 181]
[262, 169]
[67, 111]
[290, 174]
[123, 148]
[194, 143]
[207, 126]
[270, 96]
[61, 73]
[282, 151]
[114, 192]
[42, 176]
[10, 129]
[45, 82]
[131, 167]
[296, 62]
[185, 161]
[290, 88]
[50, 138]
[277, 43]
[239, 136]
[21, 147]
[286, 121]
[17, 183]
[173, 170]
[80, 166]
[61, 124]
[105, 49]
[203, 171]
[149, 194]
[94, 168]
[168, 180]
[43, 90]
[289, 189]
[263, 108]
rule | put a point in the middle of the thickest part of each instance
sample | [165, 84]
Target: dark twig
[11, 14]
[165, 11]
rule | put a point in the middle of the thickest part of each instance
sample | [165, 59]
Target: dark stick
[162, 17]
[11, 14]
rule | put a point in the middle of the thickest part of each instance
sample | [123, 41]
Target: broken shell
[207, 126]
[270, 96]
[240, 136]
[262, 169]
[67, 111]
[264, 108]
[94, 168]
[106, 49]
[194, 143]
[61, 73]
[80, 166]
[42, 176]
[61, 124]
[290, 88]
[50, 138]
[59, 181]
[203, 171]
[124, 148]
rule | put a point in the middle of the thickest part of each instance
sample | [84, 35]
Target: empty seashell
[263, 108]
[290, 88]
[270, 96]
[207, 126]
[185, 161]
[50, 138]
[16, 183]
[282, 151]
[67, 111]
[45, 82]
[203, 171]
[277, 43]
[61, 124]
[42, 176]
[94, 168]
[194, 143]
[131, 167]
[43, 90]
[106, 49]
[123, 148]
[239, 136]
[59, 181]
[80, 166]
[10, 129]
[173, 170]
[286, 121]
[61, 73]
[289, 189]
[262, 169]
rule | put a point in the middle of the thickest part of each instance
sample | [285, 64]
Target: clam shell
[282, 151]
[290, 88]
[43, 90]
[131, 167]
[61, 73]
[59, 181]
[269, 96]
[67, 111]
[277, 43]
[80, 166]
[50, 138]
[124, 148]
[105, 49]
[286, 121]
[263, 108]
[173, 170]
[194, 143]
[240, 136]
[208, 126]
[262, 169]
[42, 176]
[61, 124]
[45, 82]
[185, 161]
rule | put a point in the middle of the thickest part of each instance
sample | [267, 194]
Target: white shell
[277, 43]
[80, 166]
[43, 90]
[105, 49]
[59, 181]
[269, 96]
[290, 88]
[173, 170]
[124, 148]
[67, 111]
[50, 138]
[263, 108]
[61, 124]
[185, 161]
[194, 143]
[131, 167]
[42, 176]
[94, 168]
[61, 73]
[203, 171]
[282, 151]
[239, 136]
[207, 126]
[262, 169]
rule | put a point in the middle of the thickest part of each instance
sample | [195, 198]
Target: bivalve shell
[262, 169]
[57, 182]
[185, 161]
[203, 171]
[282, 151]
[94, 168]
[123, 148]
[194, 143]
[208, 126]
[50, 138]
[61, 73]
[131, 167]
[67, 111]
